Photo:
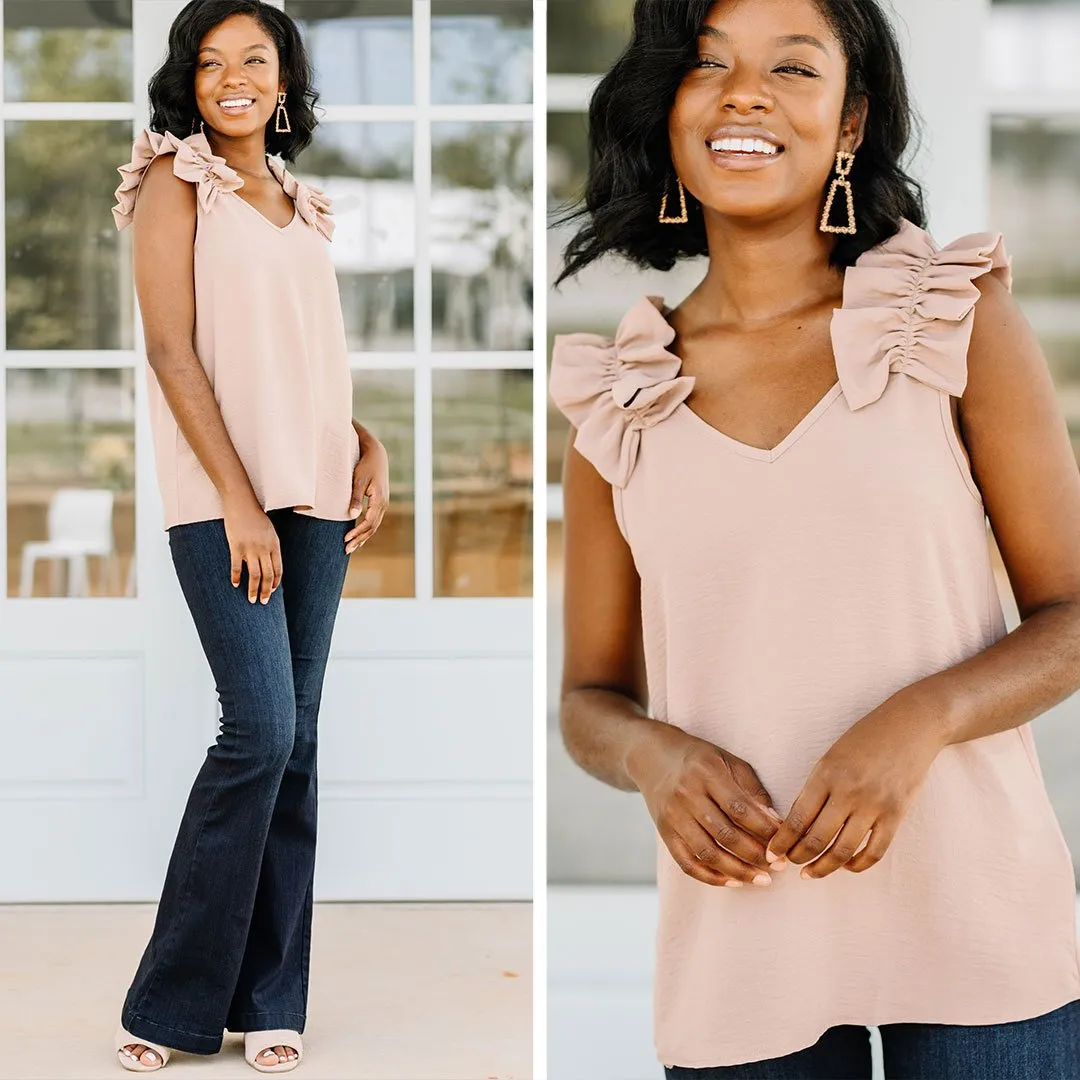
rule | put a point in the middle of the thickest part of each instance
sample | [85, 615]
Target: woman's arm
[1024, 465]
[164, 224]
[699, 796]
[1021, 460]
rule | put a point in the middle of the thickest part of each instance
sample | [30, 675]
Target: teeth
[236, 103]
[745, 146]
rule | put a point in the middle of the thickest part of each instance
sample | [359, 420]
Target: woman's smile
[236, 105]
[740, 147]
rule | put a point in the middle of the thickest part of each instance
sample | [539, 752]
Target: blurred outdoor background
[438, 308]
[998, 86]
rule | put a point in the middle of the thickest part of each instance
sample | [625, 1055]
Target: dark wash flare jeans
[1045, 1047]
[231, 942]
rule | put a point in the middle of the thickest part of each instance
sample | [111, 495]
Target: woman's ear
[855, 126]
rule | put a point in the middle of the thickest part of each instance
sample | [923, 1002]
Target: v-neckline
[758, 453]
[259, 213]
[280, 178]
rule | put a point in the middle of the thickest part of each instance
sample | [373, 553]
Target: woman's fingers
[266, 566]
[254, 576]
[369, 524]
[742, 809]
[800, 817]
[731, 834]
[881, 836]
[821, 832]
[842, 849]
[275, 562]
[706, 851]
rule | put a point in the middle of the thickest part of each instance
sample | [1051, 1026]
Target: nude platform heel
[133, 1064]
[255, 1042]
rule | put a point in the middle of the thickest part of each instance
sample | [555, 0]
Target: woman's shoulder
[192, 160]
[612, 386]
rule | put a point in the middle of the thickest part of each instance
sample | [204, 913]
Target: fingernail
[770, 857]
[773, 814]
[762, 879]
[733, 884]
[779, 864]
[806, 874]
[354, 511]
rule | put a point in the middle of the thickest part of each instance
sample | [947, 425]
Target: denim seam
[173, 1027]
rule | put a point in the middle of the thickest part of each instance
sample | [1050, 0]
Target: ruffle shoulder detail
[312, 203]
[611, 389]
[193, 160]
[910, 306]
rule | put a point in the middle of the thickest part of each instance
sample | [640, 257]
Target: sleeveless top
[268, 332]
[786, 593]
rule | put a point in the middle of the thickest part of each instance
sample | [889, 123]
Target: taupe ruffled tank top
[785, 594]
[269, 334]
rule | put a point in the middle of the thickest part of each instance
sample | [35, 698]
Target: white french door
[106, 702]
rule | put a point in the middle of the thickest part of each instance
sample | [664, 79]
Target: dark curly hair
[172, 86]
[630, 154]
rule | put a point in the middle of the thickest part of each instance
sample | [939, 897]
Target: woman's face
[769, 72]
[237, 62]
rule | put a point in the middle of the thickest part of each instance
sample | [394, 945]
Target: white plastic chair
[79, 524]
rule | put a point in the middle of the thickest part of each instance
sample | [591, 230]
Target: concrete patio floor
[398, 992]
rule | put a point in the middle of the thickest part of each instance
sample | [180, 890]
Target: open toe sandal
[255, 1042]
[132, 1063]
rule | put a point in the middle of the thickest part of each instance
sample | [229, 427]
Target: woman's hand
[710, 808]
[866, 781]
[253, 540]
[371, 477]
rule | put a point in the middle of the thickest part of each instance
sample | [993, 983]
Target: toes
[141, 1052]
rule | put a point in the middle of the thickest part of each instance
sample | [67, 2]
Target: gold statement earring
[683, 217]
[281, 114]
[844, 161]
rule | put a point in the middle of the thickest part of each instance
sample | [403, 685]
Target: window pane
[368, 171]
[567, 156]
[482, 450]
[585, 37]
[386, 564]
[1035, 202]
[481, 51]
[361, 49]
[481, 235]
[68, 269]
[67, 50]
[71, 482]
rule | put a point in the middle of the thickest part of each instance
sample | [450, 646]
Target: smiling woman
[781, 624]
[263, 473]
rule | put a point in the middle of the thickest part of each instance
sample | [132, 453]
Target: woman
[775, 540]
[262, 472]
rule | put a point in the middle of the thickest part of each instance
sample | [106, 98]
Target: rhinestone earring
[281, 114]
[683, 217]
[844, 161]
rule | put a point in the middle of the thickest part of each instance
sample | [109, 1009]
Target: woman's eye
[798, 70]
[258, 58]
[708, 61]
